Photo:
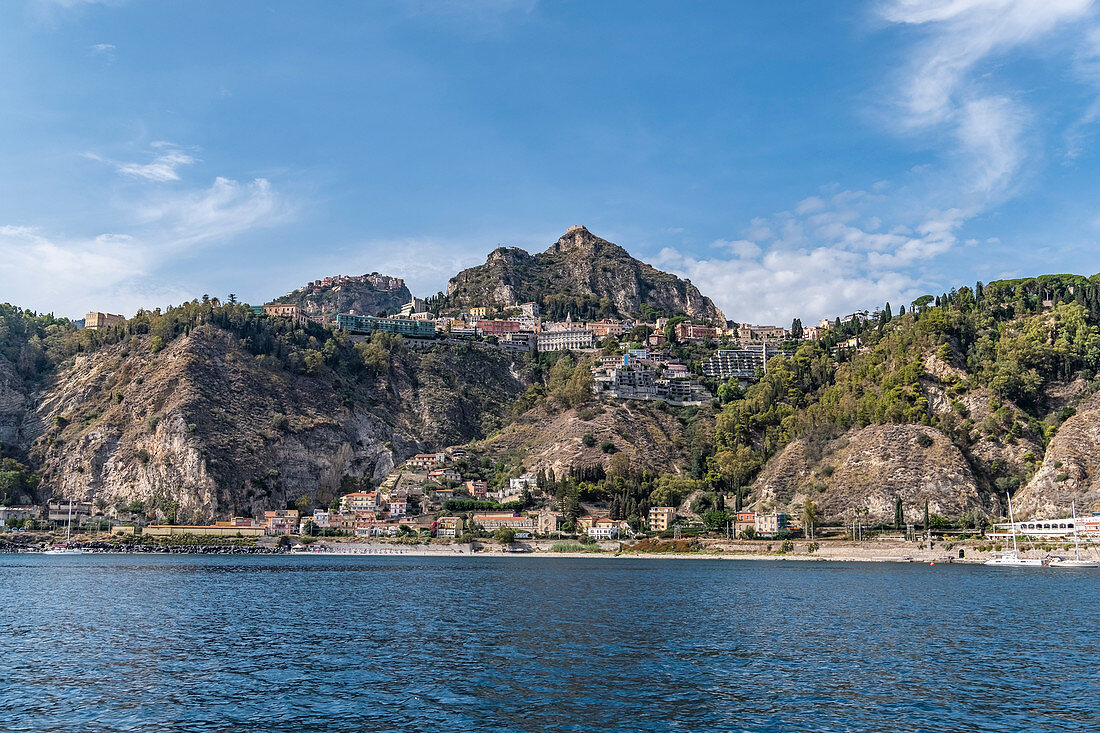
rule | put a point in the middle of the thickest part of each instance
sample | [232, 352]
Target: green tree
[505, 535]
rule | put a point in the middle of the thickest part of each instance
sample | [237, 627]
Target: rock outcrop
[582, 274]
[360, 297]
[860, 475]
[1070, 471]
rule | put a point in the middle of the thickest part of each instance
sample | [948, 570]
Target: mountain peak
[583, 274]
[577, 238]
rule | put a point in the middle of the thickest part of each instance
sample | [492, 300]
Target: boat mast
[1076, 540]
[1012, 523]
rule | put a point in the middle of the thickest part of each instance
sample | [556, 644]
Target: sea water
[289, 643]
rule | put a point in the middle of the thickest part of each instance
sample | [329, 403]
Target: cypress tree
[899, 514]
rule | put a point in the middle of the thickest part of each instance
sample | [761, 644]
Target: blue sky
[793, 159]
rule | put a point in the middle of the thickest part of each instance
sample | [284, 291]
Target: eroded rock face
[651, 438]
[209, 427]
[1070, 471]
[861, 474]
[579, 264]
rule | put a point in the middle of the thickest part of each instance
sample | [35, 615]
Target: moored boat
[1011, 558]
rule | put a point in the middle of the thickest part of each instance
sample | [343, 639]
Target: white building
[569, 340]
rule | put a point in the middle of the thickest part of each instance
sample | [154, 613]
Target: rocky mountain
[367, 295]
[583, 275]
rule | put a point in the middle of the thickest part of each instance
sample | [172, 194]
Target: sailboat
[1076, 561]
[1012, 557]
[65, 549]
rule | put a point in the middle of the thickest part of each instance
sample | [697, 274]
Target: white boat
[1011, 558]
[1075, 561]
[65, 549]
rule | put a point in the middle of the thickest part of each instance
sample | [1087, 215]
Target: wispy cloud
[168, 158]
[213, 215]
[946, 87]
[103, 50]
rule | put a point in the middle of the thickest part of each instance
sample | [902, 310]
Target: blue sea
[225, 644]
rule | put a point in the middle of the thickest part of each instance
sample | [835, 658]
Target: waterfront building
[17, 512]
[59, 511]
[661, 518]
[605, 528]
[771, 524]
[548, 522]
[479, 311]
[280, 521]
[216, 530]
[745, 520]
[448, 526]
[490, 522]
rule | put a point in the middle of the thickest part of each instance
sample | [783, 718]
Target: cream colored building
[95, 320]
[661, 518]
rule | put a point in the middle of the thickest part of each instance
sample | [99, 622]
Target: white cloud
[821, 260]
[122, 272]
[71, 276]
[168, 158]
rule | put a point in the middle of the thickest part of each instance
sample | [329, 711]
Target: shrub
[787, 546]
[588, 440]
[279, 421]
[142, 455]
[1062, 477]
[607, 446]
[813, 547]
[924, 440]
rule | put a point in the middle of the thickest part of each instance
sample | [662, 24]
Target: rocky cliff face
[860, 474]
[581, 271]
[206, 427]
[651, 438]
[1070, 471]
